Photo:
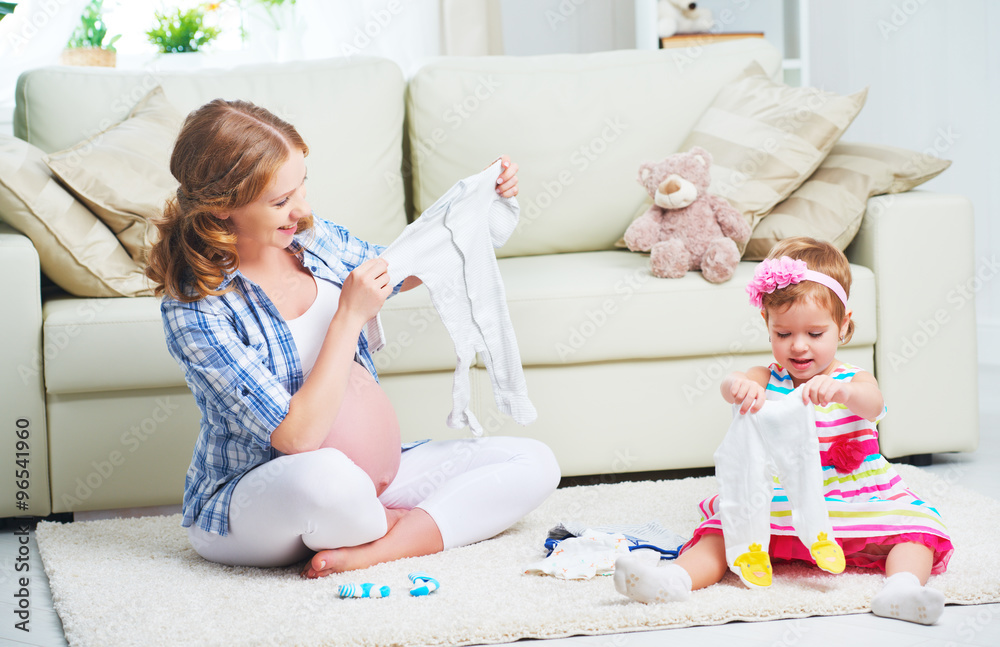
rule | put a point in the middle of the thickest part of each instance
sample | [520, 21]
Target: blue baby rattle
[424, 584]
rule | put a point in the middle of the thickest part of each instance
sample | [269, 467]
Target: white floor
[960, 625]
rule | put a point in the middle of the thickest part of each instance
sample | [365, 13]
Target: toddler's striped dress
[870, 506]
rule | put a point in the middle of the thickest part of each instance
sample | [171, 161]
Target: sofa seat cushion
[606, 306]
[566, 309]
[95, 345]
[603, 306]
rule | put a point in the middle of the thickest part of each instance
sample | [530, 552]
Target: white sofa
[623, 368]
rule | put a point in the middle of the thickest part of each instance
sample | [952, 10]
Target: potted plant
[179, 31]
[86, 46]
[6, 8]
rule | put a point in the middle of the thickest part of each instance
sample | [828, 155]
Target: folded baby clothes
[583, 557]
[450, 248]
[650, 535]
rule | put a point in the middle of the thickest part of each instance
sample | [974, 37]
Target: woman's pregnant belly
[366, 429]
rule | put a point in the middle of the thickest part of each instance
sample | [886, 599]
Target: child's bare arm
[746, 389]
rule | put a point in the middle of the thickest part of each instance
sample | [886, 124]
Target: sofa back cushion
[577, 125]
[348, 110]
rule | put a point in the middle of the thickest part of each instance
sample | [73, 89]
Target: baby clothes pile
[580, 551]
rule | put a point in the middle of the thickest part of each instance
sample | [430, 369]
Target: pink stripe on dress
[838, 421]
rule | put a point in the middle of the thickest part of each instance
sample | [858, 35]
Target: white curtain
[406, 31]
[471, 27]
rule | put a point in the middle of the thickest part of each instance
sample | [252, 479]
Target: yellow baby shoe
[755, 567]
[828, 554]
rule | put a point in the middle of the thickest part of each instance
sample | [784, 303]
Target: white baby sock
[902, 597]
[644, 582]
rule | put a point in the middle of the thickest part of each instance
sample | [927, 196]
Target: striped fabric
[831, 203]
[766, 138]
[869, 505]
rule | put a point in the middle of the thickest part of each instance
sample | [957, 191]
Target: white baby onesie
[450, 248]
[779, 440]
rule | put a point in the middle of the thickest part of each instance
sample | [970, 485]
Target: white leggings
[294, 505]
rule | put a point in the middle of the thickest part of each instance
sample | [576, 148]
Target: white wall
[934, 74]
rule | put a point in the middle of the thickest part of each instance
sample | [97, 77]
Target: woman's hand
[507, 182]
[365, 290]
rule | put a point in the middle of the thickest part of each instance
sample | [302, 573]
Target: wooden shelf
[697, 40]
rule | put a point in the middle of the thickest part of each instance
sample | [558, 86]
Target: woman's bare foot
[412, 533]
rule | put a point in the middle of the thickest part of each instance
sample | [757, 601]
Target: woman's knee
[539, 460]
[326, 481]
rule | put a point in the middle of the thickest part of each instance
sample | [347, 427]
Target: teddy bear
[687, 228]
[679, 17]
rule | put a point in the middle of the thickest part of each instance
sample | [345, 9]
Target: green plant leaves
[181, 31]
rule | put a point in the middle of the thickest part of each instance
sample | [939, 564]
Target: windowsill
[192, 60]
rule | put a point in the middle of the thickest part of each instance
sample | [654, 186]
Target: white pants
[294, 505]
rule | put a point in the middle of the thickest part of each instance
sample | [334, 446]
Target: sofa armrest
[22, 394]
[920, 246]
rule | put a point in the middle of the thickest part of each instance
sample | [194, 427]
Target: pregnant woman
[299, 449]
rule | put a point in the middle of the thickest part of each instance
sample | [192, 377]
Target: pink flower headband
[776, 273]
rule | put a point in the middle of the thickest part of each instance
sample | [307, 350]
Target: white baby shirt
[450, 248]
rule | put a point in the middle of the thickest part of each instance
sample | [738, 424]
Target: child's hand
[823, 389]
[507, 182]
[748, 394]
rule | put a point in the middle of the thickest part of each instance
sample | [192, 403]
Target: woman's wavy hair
[822, 257]
[226, 155]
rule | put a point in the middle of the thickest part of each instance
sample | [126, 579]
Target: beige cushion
[123, 173]
[577, 125]
[766, 138]
[349, 109]
[75, 249]
[831, 203]
[607, 308]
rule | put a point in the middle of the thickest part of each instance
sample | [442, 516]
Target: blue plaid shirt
[242, 367]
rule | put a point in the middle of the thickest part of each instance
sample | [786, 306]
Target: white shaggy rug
[137, 581]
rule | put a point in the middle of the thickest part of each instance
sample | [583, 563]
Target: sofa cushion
[577, 125]
[94, 345]
[591, 307]
[349, 110]
[75, 249]
[123, 173]
[832, 202]
[604, 306]
[608, 307]
[766, 138]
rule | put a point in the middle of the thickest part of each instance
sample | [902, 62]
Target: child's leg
[701, 565]
[904, 595]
